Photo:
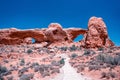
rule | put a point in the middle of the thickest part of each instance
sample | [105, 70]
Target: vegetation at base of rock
[100, 49]
[64, 48]
[10, 78]
[62, 61]
[93, 67]
[73, 48]
[113, 60]
[74, 55]
[108, 75]
[88, 52]
[22, 62]
[3, 69]
[26, 76]
[29, 51]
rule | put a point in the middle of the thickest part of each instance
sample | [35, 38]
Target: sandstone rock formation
[74, 32]
[55, 33]
[14, 36]
[95, 36]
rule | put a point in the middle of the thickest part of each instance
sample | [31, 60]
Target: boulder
[55, 33]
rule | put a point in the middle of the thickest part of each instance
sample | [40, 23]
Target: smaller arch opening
[33, 40]
[78, 38]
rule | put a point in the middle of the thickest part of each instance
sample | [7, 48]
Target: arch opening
[33, 40]
[78, 38]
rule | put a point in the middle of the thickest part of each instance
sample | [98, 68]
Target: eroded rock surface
[74, 32]
[55, 33]
[14, 36]
[95, 36]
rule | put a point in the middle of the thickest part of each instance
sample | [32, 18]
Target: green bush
[112, 74]
[3, 69]
[26, 77]
[117, 60]
[64, 48]
[93, 67]
[100, 49]
[103, 74]
[62, 61]
[22, 62]
[1, 78]
[88, 52]
[35, 64]
[10, 78]
[73, 48]
[108, 75]
[109, 59]
[74, 55]
[101, 57]
[29, 51]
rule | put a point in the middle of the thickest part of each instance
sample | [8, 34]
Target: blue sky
[25, 14]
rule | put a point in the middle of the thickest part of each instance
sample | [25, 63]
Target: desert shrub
[26, 76]
[10, 78]
[12, 50]
[81, 68]
[24, 69]
[118, 53]
[110, 51]
[34, 64]
[62, 61]
[100, 49]
[6, 61]
[3, 69]
[45, 74]
[112, 74]
[36, 68]
[55, 63]
[74, 55]
[108, 75]
[41, 69]
[103, 75]
[88, 52]
[7, 73]
[101, 57]
[1, 78]
[109, 59]
[73, 48]
[55, 70]
[22, 62]
[94, 62]
[117, 60]
[29, 51]
[64, 48]
[93, 67]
